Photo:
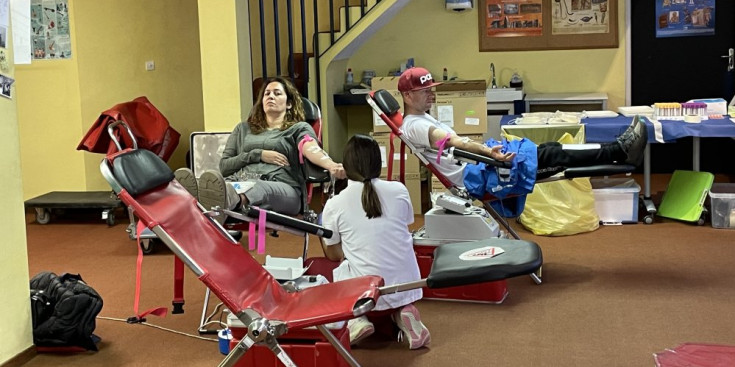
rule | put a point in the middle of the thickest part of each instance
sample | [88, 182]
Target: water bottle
[350, 78]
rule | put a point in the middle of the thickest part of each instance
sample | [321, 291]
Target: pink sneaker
[360, 328]
[412, 329]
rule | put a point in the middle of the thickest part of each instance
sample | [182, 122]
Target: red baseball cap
[415, 79]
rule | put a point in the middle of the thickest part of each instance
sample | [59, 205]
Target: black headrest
[140, 170]
[386, 102]
[311, 110]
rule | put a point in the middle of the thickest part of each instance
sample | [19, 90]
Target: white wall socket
[150, 65]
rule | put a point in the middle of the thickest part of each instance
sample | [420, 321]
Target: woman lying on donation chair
[373, 239]
[267, 147]
[424, 131]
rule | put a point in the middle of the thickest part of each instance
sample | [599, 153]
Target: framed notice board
[517, 25]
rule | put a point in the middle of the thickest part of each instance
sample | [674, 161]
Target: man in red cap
[424, 131]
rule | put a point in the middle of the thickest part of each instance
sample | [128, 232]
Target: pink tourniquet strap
[261, 232]
[257, 230]
[252, 231]
[441, 144]
[303, 141]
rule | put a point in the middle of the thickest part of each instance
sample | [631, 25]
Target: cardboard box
[435, 185]
[616, 199]
[389, 83]
[474, 137]
[411, 162]
[462, 105]
[413, 184]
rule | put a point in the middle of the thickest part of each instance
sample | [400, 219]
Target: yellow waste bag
[561, 208]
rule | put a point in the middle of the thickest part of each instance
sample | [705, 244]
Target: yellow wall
[450, 40]
[15, 313]
[49, 116]
[437, 38]
[225, 60]
[58, 100]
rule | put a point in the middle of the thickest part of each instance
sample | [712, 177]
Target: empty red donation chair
[143, 181]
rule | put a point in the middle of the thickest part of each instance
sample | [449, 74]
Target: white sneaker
[360, 328]
[412, 329]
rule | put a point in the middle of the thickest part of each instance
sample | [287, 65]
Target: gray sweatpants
[270, 195]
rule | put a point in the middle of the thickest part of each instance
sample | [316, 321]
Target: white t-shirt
[379, 246]
[416, 130]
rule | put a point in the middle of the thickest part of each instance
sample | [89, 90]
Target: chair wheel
[110, 219]
[147, 246]
[43, 216]
[648, 219]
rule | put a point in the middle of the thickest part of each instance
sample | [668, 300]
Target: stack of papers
[600, 114]
[631, 111]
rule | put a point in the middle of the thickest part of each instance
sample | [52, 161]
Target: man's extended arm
[437, 134]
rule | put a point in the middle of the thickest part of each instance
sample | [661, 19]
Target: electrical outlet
[150, 65]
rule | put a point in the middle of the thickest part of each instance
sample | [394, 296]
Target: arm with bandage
[311, 150]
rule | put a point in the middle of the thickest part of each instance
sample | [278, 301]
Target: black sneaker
[633, 142]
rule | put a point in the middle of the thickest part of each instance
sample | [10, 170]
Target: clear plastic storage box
[616, 199]
[722, 205]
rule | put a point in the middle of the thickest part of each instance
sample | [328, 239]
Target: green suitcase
[685, 195]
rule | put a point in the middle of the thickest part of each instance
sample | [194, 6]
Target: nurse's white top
[379, 246]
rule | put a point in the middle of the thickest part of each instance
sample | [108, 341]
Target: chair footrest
[463, 263]
[599, 170]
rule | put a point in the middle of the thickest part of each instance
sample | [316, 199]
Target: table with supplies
[606, 129]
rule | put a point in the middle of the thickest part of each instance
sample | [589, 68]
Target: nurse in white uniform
[370, 221]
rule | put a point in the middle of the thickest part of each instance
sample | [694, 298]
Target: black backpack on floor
[64, 310]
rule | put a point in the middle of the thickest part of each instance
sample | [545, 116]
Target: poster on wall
[4, 22]
[517, 18]
[681, 18]
[5, 83]
[580, 17]
[50, 29]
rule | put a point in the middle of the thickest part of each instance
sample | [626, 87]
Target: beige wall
[58, 100]
[225, 60]
[437, 38]
[15, 313]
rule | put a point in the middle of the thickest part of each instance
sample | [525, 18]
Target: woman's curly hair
[257, 120]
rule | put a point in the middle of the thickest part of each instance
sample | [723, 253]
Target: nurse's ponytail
[362, 163]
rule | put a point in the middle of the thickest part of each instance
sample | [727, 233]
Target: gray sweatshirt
[243, 150]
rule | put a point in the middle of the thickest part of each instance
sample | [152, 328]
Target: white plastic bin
[722, 204]
[616, 199]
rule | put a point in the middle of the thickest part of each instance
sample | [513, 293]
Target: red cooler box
[488, 292]
[306, 347]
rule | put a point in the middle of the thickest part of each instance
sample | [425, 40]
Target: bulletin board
[520, 25]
